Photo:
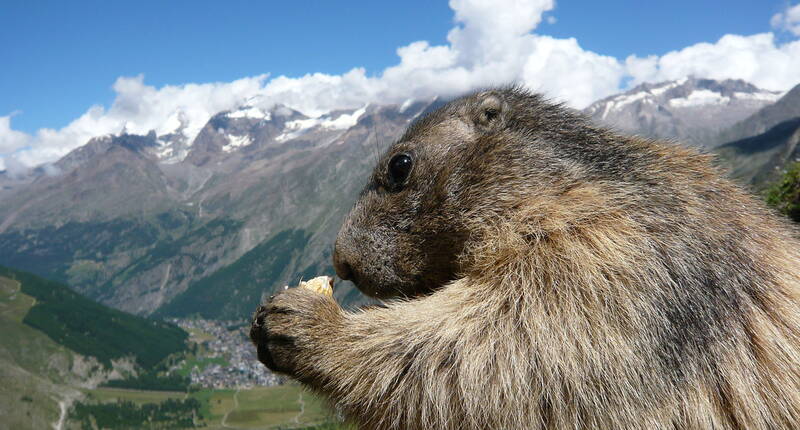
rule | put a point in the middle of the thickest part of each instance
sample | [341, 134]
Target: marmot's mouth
[388, 292]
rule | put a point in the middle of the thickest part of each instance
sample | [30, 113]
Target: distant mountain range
[690, 110]
[784, 109]
[136, 221]
[206, 222]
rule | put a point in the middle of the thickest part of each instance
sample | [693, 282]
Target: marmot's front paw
[288, 329]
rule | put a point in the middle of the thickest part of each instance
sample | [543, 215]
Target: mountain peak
[689, 109]
[787, 107]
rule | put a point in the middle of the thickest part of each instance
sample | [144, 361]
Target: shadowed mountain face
[691, 111]
[761, 146]
[786, 108]
[759, 160]
[135, 221]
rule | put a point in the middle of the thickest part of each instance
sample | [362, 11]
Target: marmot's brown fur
[551, 274]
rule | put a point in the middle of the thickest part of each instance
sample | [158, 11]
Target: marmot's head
[470, 161]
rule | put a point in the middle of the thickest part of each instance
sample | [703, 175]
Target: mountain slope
[91, 329]
[689, 110]
[53, 342]
[132, 224]
[759, 160]
[786, 108]
[108, 178]
[232, 292]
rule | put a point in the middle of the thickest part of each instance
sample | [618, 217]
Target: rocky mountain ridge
[689, 110]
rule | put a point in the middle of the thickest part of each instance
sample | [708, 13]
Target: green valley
[280, 407]
[61, 357]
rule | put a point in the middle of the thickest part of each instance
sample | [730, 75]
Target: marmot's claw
[281, 326]
[272, 348]
[258, 319]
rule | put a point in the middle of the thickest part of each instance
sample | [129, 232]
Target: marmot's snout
[342, 267]
[364, 257]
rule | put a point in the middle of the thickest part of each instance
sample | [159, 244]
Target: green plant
[784, 195]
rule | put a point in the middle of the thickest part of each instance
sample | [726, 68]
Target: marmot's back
[554, 274]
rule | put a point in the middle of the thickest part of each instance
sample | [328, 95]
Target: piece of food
[320, 284]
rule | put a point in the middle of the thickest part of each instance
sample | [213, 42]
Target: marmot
[548, 273]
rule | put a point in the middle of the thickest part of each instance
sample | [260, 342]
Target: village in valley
[225, 357]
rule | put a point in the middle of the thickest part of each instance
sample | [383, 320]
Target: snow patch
[761, 95]
[609, 107]
[236, 142]
[164, 152]
[342, 122]
[250, 112]
[662, 89]
[700, 98]
[622, 100]
[406, 104]
[167, 153]
[286, 135]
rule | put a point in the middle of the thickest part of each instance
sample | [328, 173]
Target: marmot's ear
[490, 111]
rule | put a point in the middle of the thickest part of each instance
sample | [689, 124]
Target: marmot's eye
[399, 169]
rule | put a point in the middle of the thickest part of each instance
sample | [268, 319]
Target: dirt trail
[59, 425]
[302, 403]
[64, 405]
[224, 421]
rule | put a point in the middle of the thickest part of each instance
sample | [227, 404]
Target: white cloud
[10, 139]
[788, 20]
[491, 43]
[756, 59]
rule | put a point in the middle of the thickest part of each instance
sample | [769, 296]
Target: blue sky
[71, 70]
[62, 57]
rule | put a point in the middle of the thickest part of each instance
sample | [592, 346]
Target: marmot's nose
[343, 269]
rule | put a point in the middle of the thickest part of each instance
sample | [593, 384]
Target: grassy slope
[91, 329]
[31, 365]
[35, 372]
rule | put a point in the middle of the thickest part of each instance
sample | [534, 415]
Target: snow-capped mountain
[246, 128]
[785, 109]
[139, 221]
[688, 110]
